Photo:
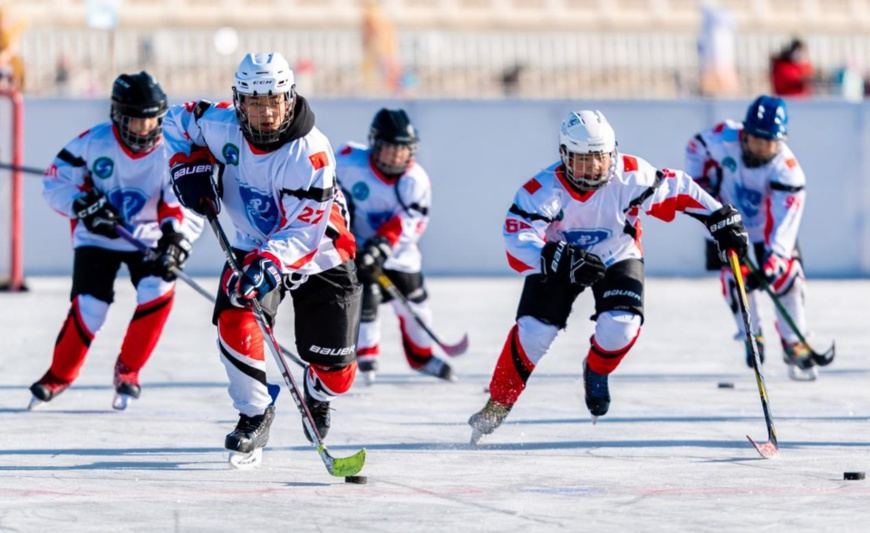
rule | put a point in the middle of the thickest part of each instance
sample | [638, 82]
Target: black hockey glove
[258, 279]
[193, 184]
[727, 229]
[372, 257]
[98, 215]
[562, 262]
[171, 252]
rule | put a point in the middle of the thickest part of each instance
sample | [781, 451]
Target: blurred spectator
[716, 51]
[381, 70]
[11, 65]
[510, 80]
[791, 74]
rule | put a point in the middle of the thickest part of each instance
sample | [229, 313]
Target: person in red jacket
[790, 72]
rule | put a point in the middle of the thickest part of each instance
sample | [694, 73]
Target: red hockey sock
[71, 346]
[239, 331]
[144, 331]
[417, 356]
[336, 381]
[601, 361]
[512, 371]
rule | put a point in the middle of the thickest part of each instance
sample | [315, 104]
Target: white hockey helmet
[264, 75]
[583, 134]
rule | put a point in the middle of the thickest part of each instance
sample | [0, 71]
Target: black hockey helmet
[138, 96]
[392, 127]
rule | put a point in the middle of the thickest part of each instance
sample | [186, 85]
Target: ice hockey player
[115, 174]
[389, 195]
[277, 182]
[575, 225]
[750, 166]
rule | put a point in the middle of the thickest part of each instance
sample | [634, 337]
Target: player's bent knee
[334, 380]
[616, 330]
[535, 337]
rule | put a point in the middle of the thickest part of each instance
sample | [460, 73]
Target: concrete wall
[478, 153]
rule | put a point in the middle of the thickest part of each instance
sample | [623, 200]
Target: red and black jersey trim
[516, 210]
[314, 193]
[776, 186]
[67, 157]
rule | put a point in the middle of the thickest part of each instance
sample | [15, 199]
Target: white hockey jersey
[136, 184]
[397, 210]
[770, 197]
[604, 222]
[283, 203]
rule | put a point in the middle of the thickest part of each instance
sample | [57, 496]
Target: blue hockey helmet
[767, 118]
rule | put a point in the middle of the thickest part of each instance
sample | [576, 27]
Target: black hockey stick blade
[768, 449]
[824, 359]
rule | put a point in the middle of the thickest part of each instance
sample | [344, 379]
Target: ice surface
[671, 455]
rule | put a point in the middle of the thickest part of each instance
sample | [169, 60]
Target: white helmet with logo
[264, 75]
[585, 133]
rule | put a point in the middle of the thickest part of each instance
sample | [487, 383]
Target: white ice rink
[671, 455]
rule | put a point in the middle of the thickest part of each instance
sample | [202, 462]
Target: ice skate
[597, 392]
[246, 442]
[487, 420]
[126, 386]
[439, 368]
[798, 357]
[320, 413]
[368, 368]
[44, 390]
[759, 341]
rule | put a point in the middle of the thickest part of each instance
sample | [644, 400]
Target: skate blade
[594, 419]
[246, 461]
[369, 378]
[798, 374]
[35, 404]
[121, 401]
[476, 436]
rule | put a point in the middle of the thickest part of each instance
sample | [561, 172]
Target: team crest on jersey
[128, 202]
[748, 200]
[378, 218]
[231, 154]
[103, 167]
[585, 238]
[260, 208]
[360, 190]
[730, 164]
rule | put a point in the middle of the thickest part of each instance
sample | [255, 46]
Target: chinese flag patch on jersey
[319, 160]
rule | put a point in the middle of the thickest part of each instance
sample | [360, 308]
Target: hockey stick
[183, 276]
[27, 170]
[821, 359]
[767, 449]
[452, 350]
[336, 466]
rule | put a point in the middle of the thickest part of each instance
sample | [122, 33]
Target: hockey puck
[853, 475]
[726, 385]
[359, 480]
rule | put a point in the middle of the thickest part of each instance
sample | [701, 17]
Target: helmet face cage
[392, 130]
[257, 134]
[263, 86]
[138, 97]
[580, 168]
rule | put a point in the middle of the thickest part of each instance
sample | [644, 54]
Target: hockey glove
[258, 279]
[728, 232]
[373, 255]
[562, 262]
[98, 215]
[171, 251]
[195, 188]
